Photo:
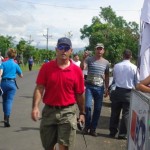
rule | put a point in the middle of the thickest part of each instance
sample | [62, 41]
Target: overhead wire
[69, 7]
[59, 6]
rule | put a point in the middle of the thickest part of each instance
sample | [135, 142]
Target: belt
[88, 83]
[59, 107]
[8, 79]
[120, 88]
[11, 79]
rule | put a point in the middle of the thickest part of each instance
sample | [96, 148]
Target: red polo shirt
[61, 85]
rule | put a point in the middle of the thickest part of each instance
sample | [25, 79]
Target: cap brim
[99, 46]
[64, 43]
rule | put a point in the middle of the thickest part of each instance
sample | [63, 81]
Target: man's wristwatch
[82, 113]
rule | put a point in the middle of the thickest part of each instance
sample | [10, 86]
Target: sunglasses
[99, 48]
[63, 47]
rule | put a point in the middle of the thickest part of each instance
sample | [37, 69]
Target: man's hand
[81, 118]
[86, 54]
[106, 93]
[35, 114]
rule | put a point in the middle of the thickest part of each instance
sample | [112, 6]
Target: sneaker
[93, 132]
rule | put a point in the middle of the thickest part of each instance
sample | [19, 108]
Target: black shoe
[122, 137]
[93, 132]
[6, 124]
[85, 131]
[6, 121]
[112, 135]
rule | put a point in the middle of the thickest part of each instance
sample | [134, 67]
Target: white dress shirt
[125, 74]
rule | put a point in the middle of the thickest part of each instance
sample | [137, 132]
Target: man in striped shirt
[97, 83]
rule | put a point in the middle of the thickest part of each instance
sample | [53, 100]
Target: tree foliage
[114, 32]
[107, 28]
[5, 43]
[24, 50]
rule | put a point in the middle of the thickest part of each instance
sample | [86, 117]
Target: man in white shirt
[76, 60]
[125, 78]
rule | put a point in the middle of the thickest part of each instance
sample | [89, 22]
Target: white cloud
[25, 18]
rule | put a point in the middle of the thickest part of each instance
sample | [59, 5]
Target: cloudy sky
[30, 19]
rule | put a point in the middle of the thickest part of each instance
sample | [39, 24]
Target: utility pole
[47, 36]
[30, 40]
[37, 44]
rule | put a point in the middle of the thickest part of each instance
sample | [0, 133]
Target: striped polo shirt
[97, 70]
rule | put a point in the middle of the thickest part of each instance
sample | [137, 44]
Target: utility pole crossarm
[30, 40]
[47, 36]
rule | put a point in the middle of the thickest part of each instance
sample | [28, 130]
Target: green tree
[114, 32]
[29, 51]
[47, 54]
[5, 43]
[21, 47]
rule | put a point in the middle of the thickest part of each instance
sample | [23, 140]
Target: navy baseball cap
[64, 40]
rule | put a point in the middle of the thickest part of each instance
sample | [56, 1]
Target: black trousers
[30, 67]
[120, 105]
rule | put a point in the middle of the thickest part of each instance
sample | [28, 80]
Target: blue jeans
[96, 93]
[9, 88]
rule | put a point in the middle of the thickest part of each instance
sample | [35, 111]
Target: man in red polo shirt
[60, 84]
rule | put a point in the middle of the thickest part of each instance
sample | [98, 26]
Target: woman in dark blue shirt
[30, 63]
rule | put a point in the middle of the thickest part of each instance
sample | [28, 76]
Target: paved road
[24, 133]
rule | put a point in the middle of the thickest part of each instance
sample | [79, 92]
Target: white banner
[145, 41]
[138, 127]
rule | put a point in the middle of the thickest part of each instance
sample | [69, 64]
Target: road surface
[24, 133]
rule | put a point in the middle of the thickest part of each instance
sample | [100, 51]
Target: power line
[68, 7]
[56, 5]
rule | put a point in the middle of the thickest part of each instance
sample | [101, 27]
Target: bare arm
[21, 75]
[106, 84]
[1, 72]
[83, 63]
[146, 81]
[143, 85]
[37, 96]
[80, 98]
[143, 88]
